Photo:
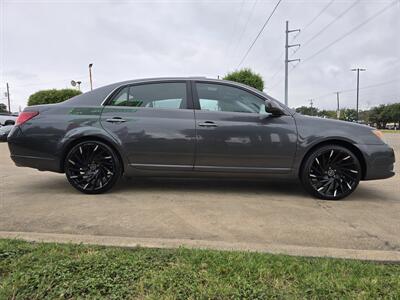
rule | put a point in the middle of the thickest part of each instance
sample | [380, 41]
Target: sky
[45, 44]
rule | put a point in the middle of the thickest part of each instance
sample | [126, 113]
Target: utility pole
[8, 98]
[287, 60]
[90, 76]
[338, 107]
[358, 86]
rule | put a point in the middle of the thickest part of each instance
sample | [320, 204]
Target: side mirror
[273, 108]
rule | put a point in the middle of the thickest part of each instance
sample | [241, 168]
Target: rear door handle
[115, 120]
[208, 124]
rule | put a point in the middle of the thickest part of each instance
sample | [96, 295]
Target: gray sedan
[195, 127]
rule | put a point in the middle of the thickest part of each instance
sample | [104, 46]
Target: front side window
[217, 97]
[157, 95]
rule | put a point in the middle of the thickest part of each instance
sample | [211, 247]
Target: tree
[395, 113]
[3, 107]
[52, 96]
[246, 76]
[348, 114]
[307, 110]
[331, 114]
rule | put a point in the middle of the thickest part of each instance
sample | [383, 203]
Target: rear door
[235, 134]
[154, 123]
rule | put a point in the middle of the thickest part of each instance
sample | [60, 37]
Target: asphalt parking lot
[256, 214]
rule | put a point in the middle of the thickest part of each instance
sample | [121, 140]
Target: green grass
[53, 271]
[390, 131]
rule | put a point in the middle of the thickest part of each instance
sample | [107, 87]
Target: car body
[7, 119]
[4, 131]
[194, 127]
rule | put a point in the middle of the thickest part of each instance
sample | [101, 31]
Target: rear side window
[154, 95]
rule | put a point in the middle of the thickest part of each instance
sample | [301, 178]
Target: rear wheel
[331, 172]
[92, 167]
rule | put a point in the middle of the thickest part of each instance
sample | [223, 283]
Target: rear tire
[331, 172]
[92, 167]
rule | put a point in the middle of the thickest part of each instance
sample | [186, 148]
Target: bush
[246, 76]
[52, 96]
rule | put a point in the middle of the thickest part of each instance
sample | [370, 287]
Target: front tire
[331, 172]
[92, 167]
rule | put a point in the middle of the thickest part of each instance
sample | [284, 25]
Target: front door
[154, 124]
[235, 134]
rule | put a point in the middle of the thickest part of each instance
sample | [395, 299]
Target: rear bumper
[380, 161]
[40, 163]
[23, 154]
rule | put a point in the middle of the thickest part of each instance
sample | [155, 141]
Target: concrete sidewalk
[130, 242]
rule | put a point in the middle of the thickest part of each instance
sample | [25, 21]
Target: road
[208, 212]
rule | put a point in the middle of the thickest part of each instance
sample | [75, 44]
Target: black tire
[331, 172]
[92, 167]
[9, 122]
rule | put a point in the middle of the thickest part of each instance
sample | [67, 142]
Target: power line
[350, 32]
[317, 16]
[296, 35]
[258, 35]
[245, 26]
[361, 88]
[330, 23]
[228, 47]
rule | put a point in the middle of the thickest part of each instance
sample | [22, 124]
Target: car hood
[320, 128]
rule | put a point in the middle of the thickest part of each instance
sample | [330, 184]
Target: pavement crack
[327, 208]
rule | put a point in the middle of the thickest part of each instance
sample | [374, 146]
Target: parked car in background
[4, 131]
[195, 127]
[7, 119]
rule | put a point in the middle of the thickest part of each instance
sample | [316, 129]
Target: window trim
[196, 99]
[188, 103]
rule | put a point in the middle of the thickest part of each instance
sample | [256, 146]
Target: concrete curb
[373, 255]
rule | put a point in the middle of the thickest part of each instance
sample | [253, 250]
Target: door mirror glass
[273, 108]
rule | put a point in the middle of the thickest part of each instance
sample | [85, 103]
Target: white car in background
[7, 119]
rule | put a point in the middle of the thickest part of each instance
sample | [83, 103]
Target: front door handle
[115, 120]
[208, 124]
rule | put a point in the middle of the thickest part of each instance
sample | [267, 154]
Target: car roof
[92, 97]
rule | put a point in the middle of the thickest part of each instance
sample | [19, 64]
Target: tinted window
[157, 95]
[217, 97]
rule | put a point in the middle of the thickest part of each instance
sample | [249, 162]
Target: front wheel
[92, 167]
[331, 172]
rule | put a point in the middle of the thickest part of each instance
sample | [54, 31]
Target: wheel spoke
[90, 166]
[334, 172]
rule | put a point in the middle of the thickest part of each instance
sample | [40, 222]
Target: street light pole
[90, 76]
[8, 98]
[338, 107]
[358, 86]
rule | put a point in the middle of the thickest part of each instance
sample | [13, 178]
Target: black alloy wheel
[331, 172]
[92, 167]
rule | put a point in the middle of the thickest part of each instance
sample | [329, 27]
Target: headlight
[379, 135]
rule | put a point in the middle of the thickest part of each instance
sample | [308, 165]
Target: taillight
[25, 116]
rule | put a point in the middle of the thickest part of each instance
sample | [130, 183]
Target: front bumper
[379, 160]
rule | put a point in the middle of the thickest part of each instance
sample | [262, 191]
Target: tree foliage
[52, 96]
[307, 110]
[377, 116]
[383, 114]
[3, 107]
[248, 77]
